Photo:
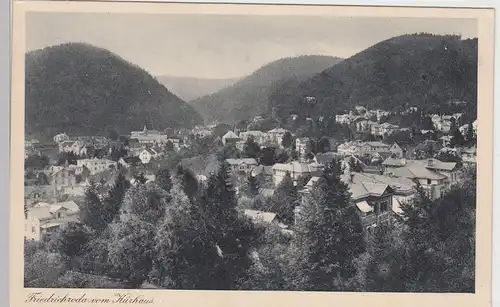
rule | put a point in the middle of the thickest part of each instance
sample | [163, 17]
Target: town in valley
[358, 175]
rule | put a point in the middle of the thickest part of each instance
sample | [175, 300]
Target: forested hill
[411, 70]
[81, 89]
[249, 96]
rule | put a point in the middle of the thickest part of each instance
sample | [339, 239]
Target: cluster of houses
[376, 192]
[272, 137]
[377, 196]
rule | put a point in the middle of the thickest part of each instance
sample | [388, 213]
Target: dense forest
[249, 96]
[81, 89]
[423, 70]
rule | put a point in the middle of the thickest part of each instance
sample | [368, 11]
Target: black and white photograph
[250, 152]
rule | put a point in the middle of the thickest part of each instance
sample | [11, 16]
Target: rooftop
[267, 217]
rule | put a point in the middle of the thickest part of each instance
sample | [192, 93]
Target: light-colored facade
[396, 150]
[61, 137]
[147, 154]
[242, 165]
[301, 147]
[76, 147]
[373, 199]
[230, 138]
[275, 136]
[434, 176]
[149, 136]
[96, 166]
[258, 136]
[384, 129]
[44, 218]
[296, 170]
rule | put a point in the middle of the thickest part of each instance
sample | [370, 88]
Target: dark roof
[131, 159]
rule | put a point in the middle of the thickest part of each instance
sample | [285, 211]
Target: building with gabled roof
[296, 170]
[44, 218]
[433, 175]
[373, 199]
[230, 138]
[242, 165]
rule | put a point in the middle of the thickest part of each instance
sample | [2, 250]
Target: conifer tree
[233, 233]
[284, 199]
[92, 212]
[382, 266]
[114, 200]
[70, 240]
[162, 178]
[186, 254]
[188, 181]
[140, 178]
[328, 237]
[287, 140]
[251, 149]
[131, 249]
[470, 133]
[250, 187]
[148, 203]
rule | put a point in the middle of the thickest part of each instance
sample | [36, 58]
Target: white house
[96, 165]
[258, 136]
[469, 155]
[76, 147]
[301, 147]
[275, 136]
[396, 150]
[44, 218]
[296, 170]
[383, 129]
[149, 136]
[433, 175]
[242, 165]
[61, 137]
[230, 138]
[147, 154]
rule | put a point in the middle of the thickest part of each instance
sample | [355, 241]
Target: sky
[224, 46]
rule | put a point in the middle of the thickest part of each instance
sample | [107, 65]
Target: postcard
[240, 155]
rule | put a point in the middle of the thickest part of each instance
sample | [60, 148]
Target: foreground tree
[285, 199]
[92, 213]
[148, 203]
[69, 241]
[251, 149]
[250, 187]
[287, 140]
[232, 232]
[131, 249]
[186, 254]
[114, 200]
[329, 237]
[163, 179]
[188, 181]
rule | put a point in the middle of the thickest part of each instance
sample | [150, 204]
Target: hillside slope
[421, 70]
[81, 89]
[192, 88]
[249, 96]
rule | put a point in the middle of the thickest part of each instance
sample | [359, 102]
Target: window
[58, 214]
[429, 181]
[32, 229]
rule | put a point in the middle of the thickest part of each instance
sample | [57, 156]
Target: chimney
[430, 162]
[403, 161]
[351, 177]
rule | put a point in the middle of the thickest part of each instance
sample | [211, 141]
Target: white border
[5, 18]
